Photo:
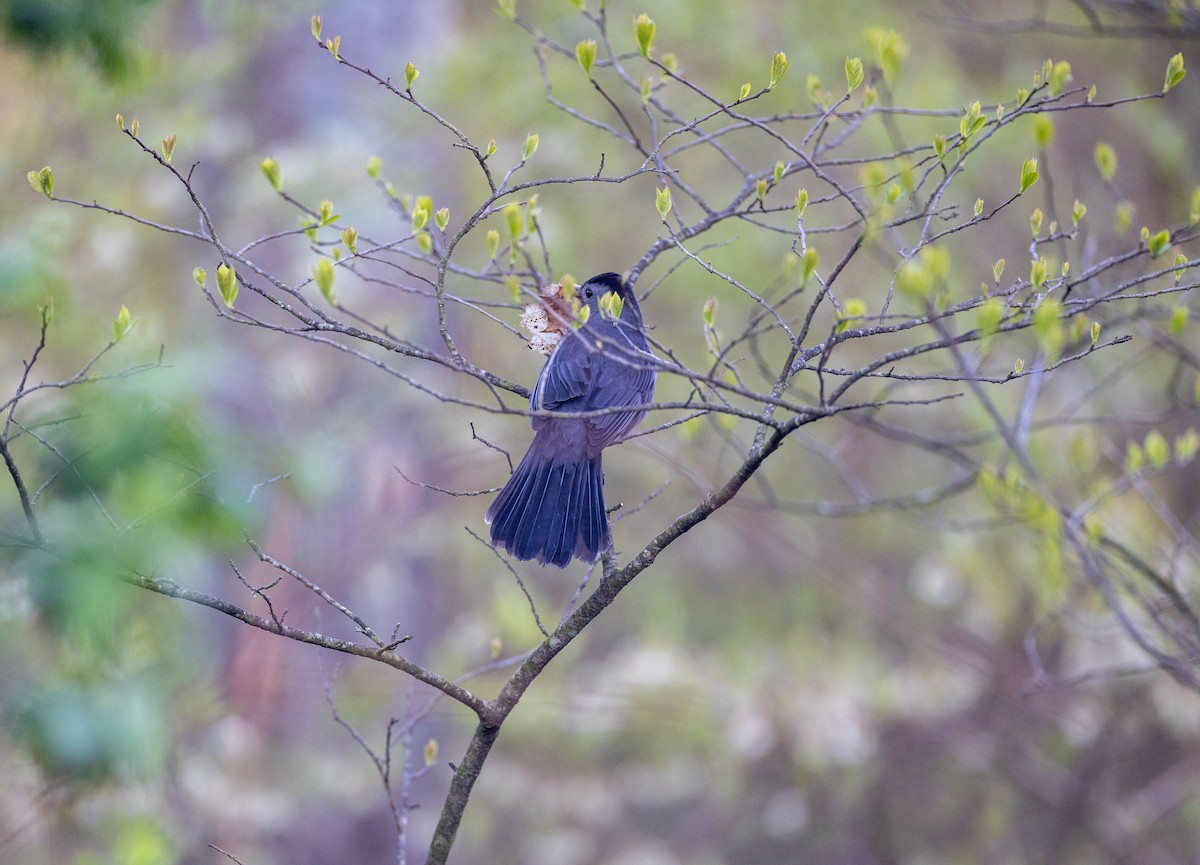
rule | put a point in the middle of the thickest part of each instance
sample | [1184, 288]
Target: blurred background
[784, 685]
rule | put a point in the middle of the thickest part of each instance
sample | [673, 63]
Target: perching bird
[552, 508]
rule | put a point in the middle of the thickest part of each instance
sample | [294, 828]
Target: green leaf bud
[854, 73]
[1029, 174]
[779, 65]
[122, 325]
[493, 243]
[662, 201]
[350, 238]
[1175, 72]
[530, 147]
[270, 169]
[644, 30]
[323, 276]
[374, 167]
[410, 75]
[801, 203]
[512, 216]
[42, 181]
[1106, 160]
[1159, 243]
[585, 54]
[227, 284]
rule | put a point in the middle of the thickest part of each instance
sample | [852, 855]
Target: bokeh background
[783, 685]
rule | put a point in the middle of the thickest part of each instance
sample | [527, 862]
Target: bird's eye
[589, 293]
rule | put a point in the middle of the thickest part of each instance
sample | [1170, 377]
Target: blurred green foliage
[104, 31]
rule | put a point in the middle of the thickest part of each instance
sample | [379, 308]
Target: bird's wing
[566, 376]
[619, 382]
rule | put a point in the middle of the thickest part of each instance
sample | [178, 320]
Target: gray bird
[552, 508]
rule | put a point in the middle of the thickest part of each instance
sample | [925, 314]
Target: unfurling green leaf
[316, 27]
[854, 73]
[493, 243]
[1156, 448]
[1106, 160]
[801, 203]
[1035, 221]
[227, 284]
[530, 147]
[334, 47]
[852, 310]
[1078, 211]
[270, 169]
[1179, 318]
[1037, 274]
[971, 121]
[1043, 131]
[744, 92]
[350, 238]
[42, 181]
[890, 50]
[323, 276]
[998, 269]
[710, 311]
[120, 122]
[1047, 324]
[374, 167]
[808, 264]
[431, 752]
[777, 174]
[978, 209]
[760, 188]
[425, 242]
[1159, 243]
[410, 75]
[1175, 72]
[442, 218]
[200, 275]
[644, 29]
[1095, 333]
[1186, 447]
[870, 96]
[1180, 261]
[1060, 75]
[939, 146]
[662, 201]
[1019, 366]
[610, 305]
[420, 218]
[1029, 174]
[991, 313]
[507, 8]
[327, 214]
[122, 325]
[585, 53]
[1135, 458]
[779, 65]
[812, 88]
[670, 62]
[512, 217]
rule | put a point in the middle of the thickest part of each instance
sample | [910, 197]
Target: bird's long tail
[552, 508]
